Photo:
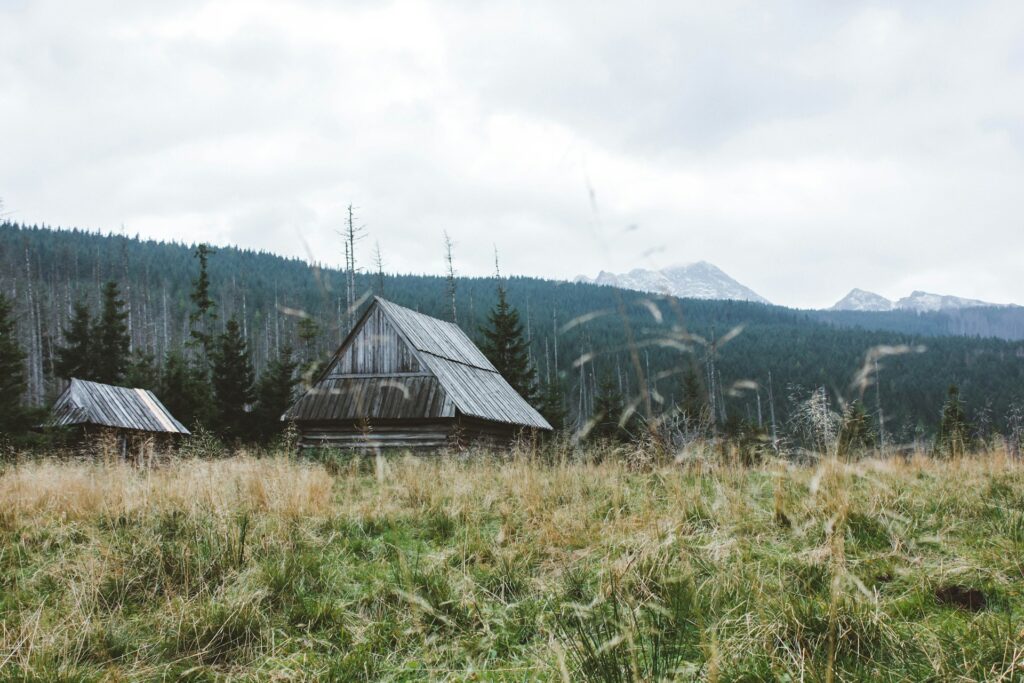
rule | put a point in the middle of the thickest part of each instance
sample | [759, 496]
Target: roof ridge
[453, 360]
[112, 386]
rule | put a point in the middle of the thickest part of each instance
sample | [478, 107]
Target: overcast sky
[805, 149]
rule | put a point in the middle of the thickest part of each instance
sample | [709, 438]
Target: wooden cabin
[405, 380]
[134, 417]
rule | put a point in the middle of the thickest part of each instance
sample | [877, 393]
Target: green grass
[511, 570]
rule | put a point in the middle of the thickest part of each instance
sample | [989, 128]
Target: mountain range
[919, 313]
[921, 302]
[703, 280]
[700, 280]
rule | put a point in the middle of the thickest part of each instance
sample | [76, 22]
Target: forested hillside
[768, 359]
[1004, 322]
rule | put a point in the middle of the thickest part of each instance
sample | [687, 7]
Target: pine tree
[274, 394]
[954, 430]
[14, 417]
[76, 357]
[111, 337]
[185, 391]
[203, 313]
[505, 346]
[233, 389]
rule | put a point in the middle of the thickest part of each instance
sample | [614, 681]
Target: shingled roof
[460, 379]
[103, 405]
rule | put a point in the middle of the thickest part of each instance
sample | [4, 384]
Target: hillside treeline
[749, 366]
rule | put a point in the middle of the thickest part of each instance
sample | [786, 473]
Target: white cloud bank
[805, 147]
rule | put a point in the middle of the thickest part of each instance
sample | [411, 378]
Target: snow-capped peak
[861, 300]
[701, 280]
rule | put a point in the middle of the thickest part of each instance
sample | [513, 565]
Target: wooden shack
[133, 417]
[405, 380]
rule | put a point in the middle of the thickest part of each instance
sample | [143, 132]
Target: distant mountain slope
[701, 280]
[925, 302]
[582, 334]
[927, 314]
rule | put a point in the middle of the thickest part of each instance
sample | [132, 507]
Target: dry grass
[444, 568]
[45, 490]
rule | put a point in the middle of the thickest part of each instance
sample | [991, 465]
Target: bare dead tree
[127, 291]
[881, 415]
[554, 334]
[351, 235]
[35, 364]
[709, 366]
[547, 361]
[348, 284]
[450, 266]
[378, 266]
[497, 269]
[529, 336]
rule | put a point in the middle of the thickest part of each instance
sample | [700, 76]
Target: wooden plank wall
[406, 435]
[376, 349]
[350, 436]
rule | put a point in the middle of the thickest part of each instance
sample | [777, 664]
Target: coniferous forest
[226, 337]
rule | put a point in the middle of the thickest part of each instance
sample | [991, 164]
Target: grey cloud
[841, 144]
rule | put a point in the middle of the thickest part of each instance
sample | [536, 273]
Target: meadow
[599, 566]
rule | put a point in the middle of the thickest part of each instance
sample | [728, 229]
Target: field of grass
[490, 568]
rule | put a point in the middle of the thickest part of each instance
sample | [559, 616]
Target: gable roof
[92, 403]
[470, 383]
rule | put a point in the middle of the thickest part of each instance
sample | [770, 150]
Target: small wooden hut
[405, 380]
[135, 417]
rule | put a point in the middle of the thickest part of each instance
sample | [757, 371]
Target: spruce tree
[308, 331]
[505, 346]
[142, 372]
[185, 391]
[694, 405]
[76, 357]
[174, 390]
[14, 417]
[551, 404]
[609, 411]
[186, 378]
[111, 337]
[233, 390]
[274, 394]
[203, 313]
